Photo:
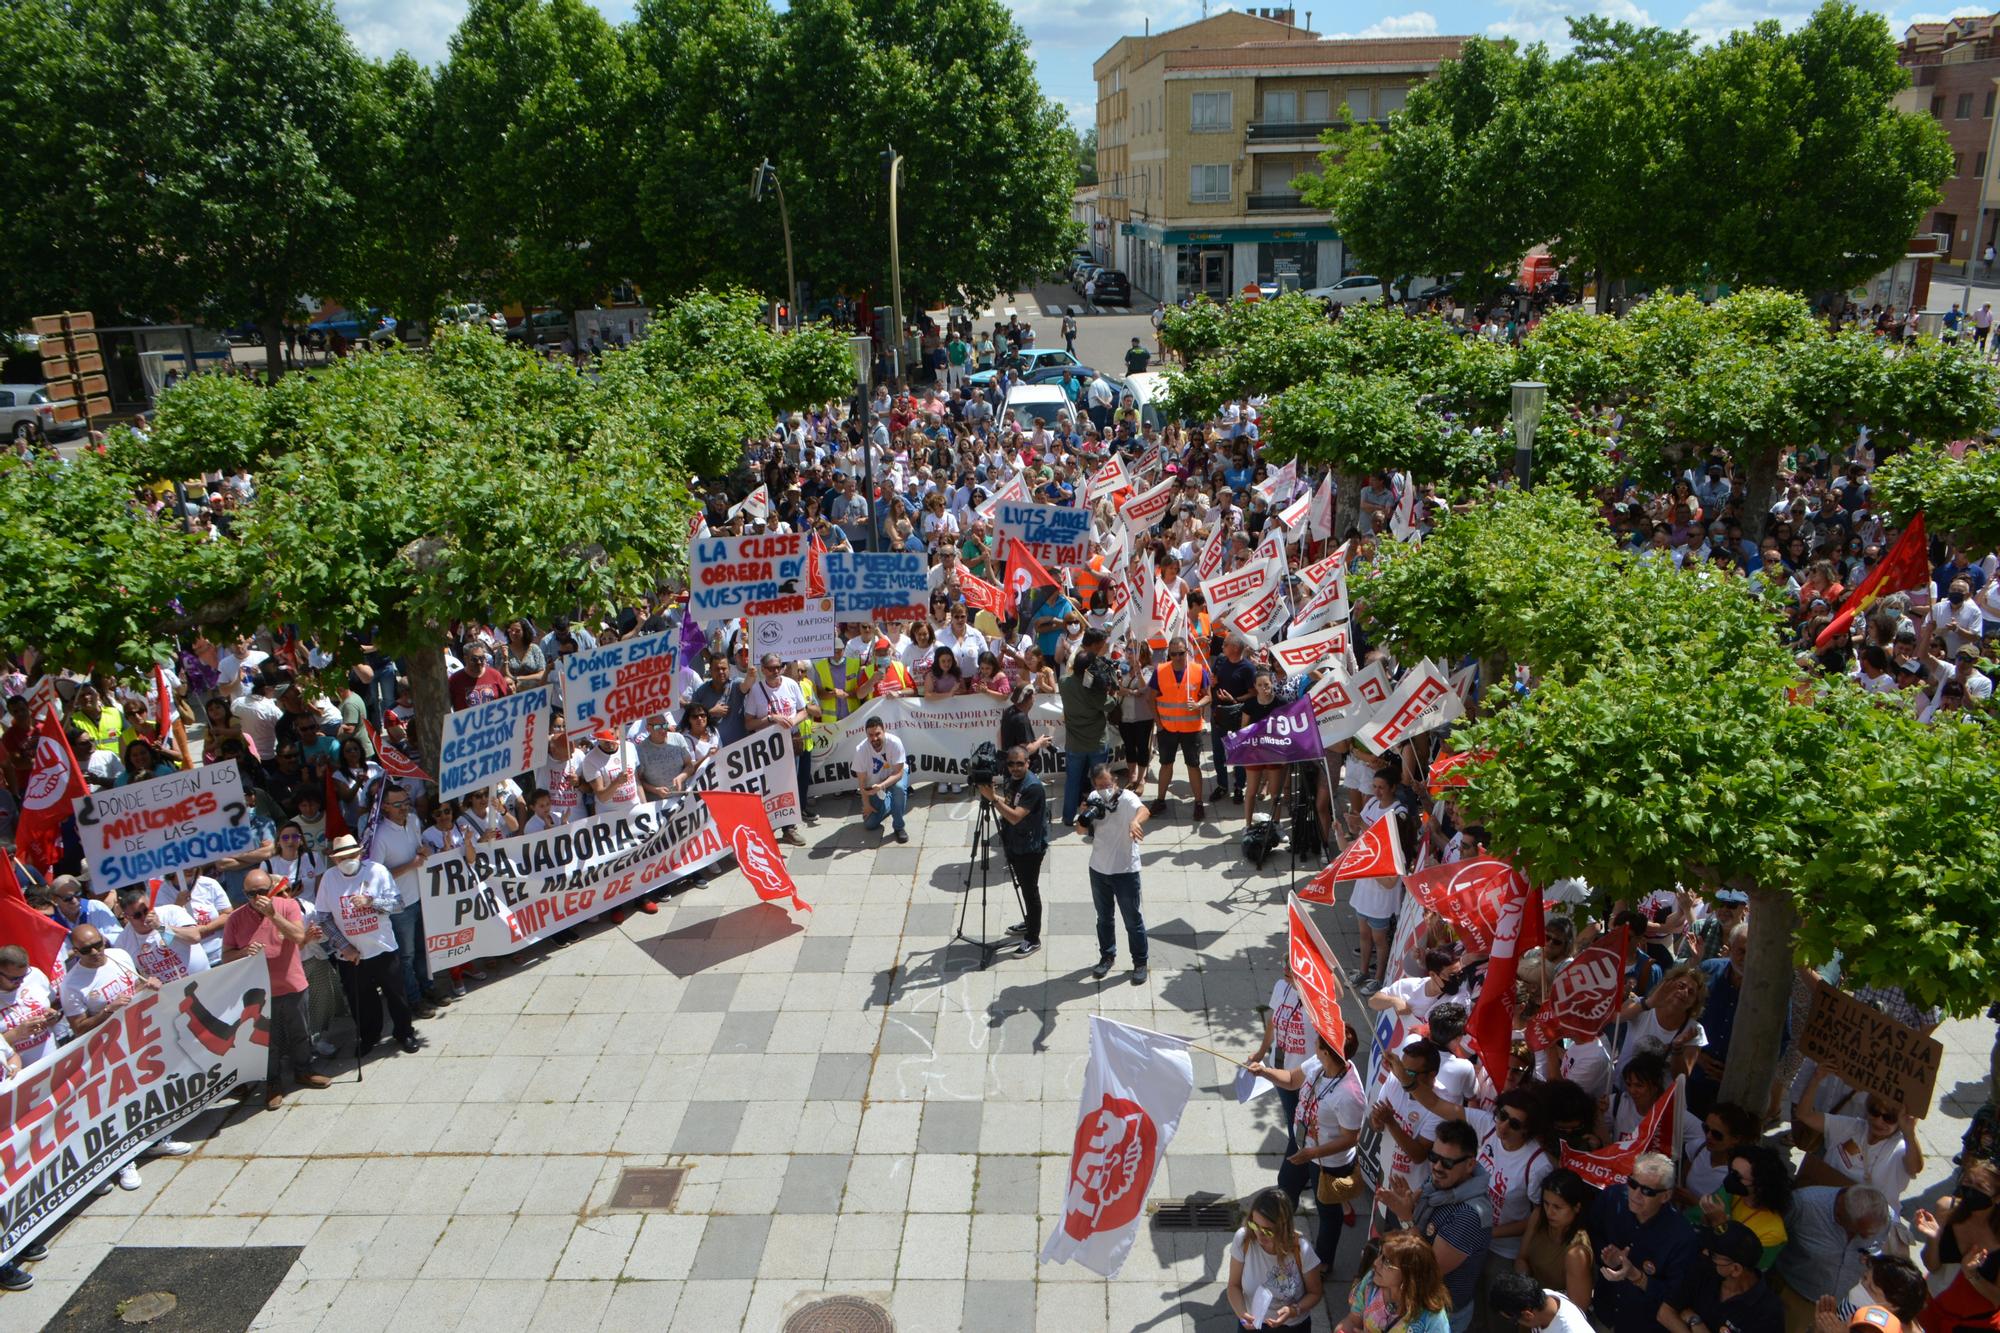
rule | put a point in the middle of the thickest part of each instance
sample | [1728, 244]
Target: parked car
[470, 312]
[1350, 290]
[1081, 278]
[27, 412]
[542, 328]
[1072, 380]
[1025, 402]
[1113, 287]
[1078, 257]
[1147, 388]
[1031, 360]
[349, 324]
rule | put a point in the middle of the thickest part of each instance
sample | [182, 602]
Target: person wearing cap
[1728, 908]
[1727, 1294]
[773, 699]
[1649, 1247]
[355, 900]
[883, 676]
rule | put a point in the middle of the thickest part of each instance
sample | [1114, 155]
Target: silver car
[26, 412]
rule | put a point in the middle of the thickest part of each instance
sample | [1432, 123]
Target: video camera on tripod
[984, 766]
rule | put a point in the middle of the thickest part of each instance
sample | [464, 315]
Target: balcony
[1297, 131]
[1282, 202]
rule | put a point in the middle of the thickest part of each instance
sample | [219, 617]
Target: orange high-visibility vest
[1176, 706]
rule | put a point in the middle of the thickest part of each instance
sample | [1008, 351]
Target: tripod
[980, 865]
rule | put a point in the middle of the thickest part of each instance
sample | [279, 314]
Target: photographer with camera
[1023, 806]
[1116, 820]
[1089, 695]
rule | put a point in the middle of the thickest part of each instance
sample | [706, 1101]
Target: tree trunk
[1756, 1039]
[1759, 477]
[274, 346]
[1346, 504]
[430, 696]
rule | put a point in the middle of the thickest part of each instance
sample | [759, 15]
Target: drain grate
[1197, 1212]
[840, 1314]
[647, 1189]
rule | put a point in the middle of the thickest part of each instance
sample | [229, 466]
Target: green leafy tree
[1959, 497]
[1086, 154]
[406, 258]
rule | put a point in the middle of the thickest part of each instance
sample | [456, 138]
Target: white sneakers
[168, 1148]
[128, 1177]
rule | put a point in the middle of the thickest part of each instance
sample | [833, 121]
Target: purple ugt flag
[1287, 736]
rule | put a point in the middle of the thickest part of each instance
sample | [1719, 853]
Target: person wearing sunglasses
[1514, 1155]
[31, 1018]
[1648, 1247]
[1878, 1147]
[73, 907]
[1274, 1274]
[1453, 1211]
[100, 982]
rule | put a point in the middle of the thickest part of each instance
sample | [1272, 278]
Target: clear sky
[1067, 35]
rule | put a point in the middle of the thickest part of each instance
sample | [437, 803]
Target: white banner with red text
[939, 735]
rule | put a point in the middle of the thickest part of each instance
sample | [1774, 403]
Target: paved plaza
[859, 1109]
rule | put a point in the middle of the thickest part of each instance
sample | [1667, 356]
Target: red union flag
[1134, 1091]
[1584, 995]
[981, 595]
[744, 824]
[394, 762]
[1312, 969]
[1024, 572]
[1516, 928]
[55, 783]
[1376, 854]
[1448, 769]
[1658, 1132]
[1473, 894]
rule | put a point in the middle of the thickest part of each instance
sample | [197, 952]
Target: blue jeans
[1076, 778]
[409, 926]
[1224, 774]
[895, 802]
[1125, 890]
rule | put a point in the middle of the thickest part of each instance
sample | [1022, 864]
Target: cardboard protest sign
[1054, 534]
[878, 585]
[746, 576]
[811, 633]
[496, 739]
[172, 822]
[616, 683]
[1871, 1050]
[70, 1120]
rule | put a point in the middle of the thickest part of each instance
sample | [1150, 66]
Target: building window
[1281, 107]
[1957, 164]
[1208, 185]
[1210, 113]
[1390, 102]
[1988, 112]
[1316, 106]
[1964, 106]
[1293, 261]
[1937, 106]
[1360, 103]
[1979, 165]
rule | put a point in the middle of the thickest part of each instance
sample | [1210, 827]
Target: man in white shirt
[30, 1010]
[1517, 1298]
[773, 699]
[163, 942]
[259, 713]
[398, 844]
[610, 769]
[104, 981]
[882, 773]
[1115, 821]
[356, 899]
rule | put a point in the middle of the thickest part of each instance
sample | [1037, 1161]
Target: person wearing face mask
[1969, 1225]
[1956, 619]
[1727, 1294]
[1756, 1193]
[882, 676]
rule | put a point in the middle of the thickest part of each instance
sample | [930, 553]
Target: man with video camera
[1089, 694]
[1115, 818]
[1023, 805]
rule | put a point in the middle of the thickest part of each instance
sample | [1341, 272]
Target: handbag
[1341, 1188]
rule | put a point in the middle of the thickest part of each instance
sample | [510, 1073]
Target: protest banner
[172, 822]
[1319, 571]
[498, 739]
[70, 1120]
[1658, 1131]
[811, 633]
[1109, 479]
[1287, 736]
[747, 576]
[761, 762]
[1293, 515]
[1871, 1050]
[1146, 508]
[1276, 488]
[939, 735]
[616, 683]
[1422, 701]
[1054, 534]
[878, 585]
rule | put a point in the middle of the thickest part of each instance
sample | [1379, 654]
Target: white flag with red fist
[1134, 1091]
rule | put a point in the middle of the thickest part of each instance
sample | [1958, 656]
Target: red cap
[882, 645]
[604, 734]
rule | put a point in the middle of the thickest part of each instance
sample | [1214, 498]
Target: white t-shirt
[1568, 1318]
[1417, 1122]
[1374, 897]
[1457, 1079]
[160, 954]
[259, 716]
[1261, 1270]
[621, 764]
[1588, 1065]
[397, 843]
[878, 762]
[1413, 992]
[338, 899]
[1291, 1026]
[1515, 1177]
[1112, 851]
[1329, 1107]
[784, 700]
[1849, 1152]
[207, 901]
[1645, 1033]
[92, 990]
[30, 1000]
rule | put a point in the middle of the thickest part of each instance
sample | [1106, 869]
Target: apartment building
[1202, 129]
[1953, 66]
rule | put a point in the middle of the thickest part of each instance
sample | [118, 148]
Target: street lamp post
[766, 174]
[892, 171]
[862, 348]
[1529, 398]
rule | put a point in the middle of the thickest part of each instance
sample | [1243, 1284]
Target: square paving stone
[824, 954]
[709, 1127]
[1007, 1184]
[950, 1127]
[998, 1307]
[813, 1183]
[731, 1247]
[929, 923]
[909, 1034]
[896, 861]
[710, 994]
[745, 1032]
[840, 1076]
